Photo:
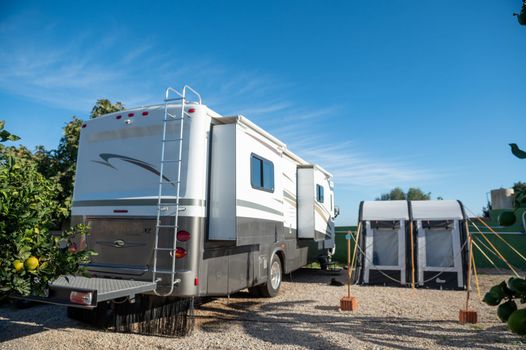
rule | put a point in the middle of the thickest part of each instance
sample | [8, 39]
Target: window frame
[263, 162]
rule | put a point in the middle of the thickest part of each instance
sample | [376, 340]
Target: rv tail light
[130, 115]
[145, 113]
[183, 236]
[191, 110]
[118, 117]
[179, 253]
[82, 298]
[196, 281]
[73, 247]
[84, 125]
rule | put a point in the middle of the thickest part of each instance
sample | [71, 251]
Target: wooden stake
[466, 315]
[349, 273]
[350, 303]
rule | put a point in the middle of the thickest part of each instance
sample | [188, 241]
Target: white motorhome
[184, 202]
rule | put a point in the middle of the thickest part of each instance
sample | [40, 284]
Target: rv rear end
[117, 189]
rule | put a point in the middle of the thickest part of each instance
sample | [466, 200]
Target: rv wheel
[271, 287]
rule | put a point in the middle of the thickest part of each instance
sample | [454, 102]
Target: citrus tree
[31, 255]
[505, 296]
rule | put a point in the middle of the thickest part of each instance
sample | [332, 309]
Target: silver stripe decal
[252, 205]
[289, 195]
[136, 202]
[291, 202]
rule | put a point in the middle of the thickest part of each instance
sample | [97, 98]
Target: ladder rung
[172, 140]
[166, 226]
[169, 182]
[165, 249]
[170, 161]
[174, 99]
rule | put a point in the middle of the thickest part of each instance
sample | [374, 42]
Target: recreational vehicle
[183, 202]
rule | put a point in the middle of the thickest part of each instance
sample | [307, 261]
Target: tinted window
[256, 172]
[320, 196]
[261, 173]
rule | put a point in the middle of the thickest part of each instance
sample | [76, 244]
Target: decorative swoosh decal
[147, 166]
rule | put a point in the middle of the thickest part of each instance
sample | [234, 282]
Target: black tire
[324, 263]
[254, 292]
[274, 277]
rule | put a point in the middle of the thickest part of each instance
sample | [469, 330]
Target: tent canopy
[384, 210]
[436, 210]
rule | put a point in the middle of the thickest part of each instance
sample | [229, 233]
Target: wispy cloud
[73, 74]
[353, 168]
[306, 133]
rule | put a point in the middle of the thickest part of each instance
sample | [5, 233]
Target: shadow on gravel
[17, 323]
[277, 324]
[307, 275]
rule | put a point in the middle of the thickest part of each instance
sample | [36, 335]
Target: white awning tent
[440, 243]
[384, 210]
[439, 240]
[436, 210]
[385, 241]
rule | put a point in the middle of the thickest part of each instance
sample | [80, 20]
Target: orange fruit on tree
[31, 263]
[18, 265]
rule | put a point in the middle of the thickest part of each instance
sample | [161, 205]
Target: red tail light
[191, 110]
[118, 117]
[130, 115]
[183, 236]
[73, 247]
[82, 298]
[180, 253]
[145, 113]
[196, 281]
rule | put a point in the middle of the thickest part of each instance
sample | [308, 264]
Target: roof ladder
[177, 114]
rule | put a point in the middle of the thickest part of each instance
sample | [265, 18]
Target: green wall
[518, 241]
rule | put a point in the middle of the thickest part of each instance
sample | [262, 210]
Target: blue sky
[381, 93]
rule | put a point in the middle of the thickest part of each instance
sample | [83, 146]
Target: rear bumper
[86, 293]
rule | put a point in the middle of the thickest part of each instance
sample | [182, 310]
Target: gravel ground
[304, 315]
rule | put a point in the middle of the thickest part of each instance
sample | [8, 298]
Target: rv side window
[319, 194]
[261, 173]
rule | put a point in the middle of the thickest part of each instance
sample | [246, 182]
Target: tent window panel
[439, 248]
[385, 248]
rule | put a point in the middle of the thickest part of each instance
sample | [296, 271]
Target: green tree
[519, 186]
[414, 193]
[104, 106]
[6, 135]
[395, 194]
[31, 256]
